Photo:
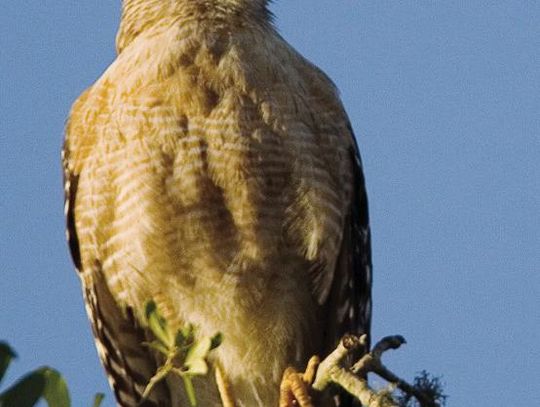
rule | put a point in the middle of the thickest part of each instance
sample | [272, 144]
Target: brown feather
[215, 175]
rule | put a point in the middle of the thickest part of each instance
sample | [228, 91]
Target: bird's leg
[224, 388]
[294, 389]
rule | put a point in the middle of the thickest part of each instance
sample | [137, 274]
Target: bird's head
[139, 15]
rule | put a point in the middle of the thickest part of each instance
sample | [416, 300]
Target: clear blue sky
[445, 100]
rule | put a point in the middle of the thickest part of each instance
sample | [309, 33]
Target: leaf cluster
[430, 386]
[43, 383]
[185, 355]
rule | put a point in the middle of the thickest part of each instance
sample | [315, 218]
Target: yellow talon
[224, 388]
[294, 389]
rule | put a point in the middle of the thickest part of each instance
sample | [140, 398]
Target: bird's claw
[294, 389]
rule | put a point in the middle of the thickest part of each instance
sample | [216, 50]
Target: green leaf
[195, 359]
[98, 399]
[26, 392]
[7, 354]
[197, 367]
[42, 383]
[199, 350]
[217, 340]
[182, 337]
[55, 392]
[186, 333]
[158, 324]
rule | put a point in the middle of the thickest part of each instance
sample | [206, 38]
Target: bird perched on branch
[213, 170]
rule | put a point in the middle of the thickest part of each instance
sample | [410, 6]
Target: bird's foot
[225, 388]
[294, 389]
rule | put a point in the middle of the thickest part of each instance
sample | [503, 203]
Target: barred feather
[119, 341]
[213, 169]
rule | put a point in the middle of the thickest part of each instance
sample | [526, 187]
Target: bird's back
[214, 176]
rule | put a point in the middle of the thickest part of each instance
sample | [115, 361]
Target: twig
[331, 371]
[354, 380]
[371, 362]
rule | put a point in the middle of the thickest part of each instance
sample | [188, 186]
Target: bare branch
[331, 371]
[354, 379]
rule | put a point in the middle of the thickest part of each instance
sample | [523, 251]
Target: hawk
[213, 170]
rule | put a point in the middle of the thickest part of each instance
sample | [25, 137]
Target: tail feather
[119, 340]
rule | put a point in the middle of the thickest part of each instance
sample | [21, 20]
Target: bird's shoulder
[193, 71]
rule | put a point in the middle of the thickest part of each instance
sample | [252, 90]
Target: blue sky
[445, 100]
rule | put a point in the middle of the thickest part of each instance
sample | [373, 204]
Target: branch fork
[354, 379]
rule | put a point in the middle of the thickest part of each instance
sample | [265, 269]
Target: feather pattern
[213, 169]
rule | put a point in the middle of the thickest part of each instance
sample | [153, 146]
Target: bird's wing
[119, 339]
[348, 284]
[350, 297]
[349, 304]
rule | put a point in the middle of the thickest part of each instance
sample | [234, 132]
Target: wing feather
[119, 339]
[349, 304]
[361, 269]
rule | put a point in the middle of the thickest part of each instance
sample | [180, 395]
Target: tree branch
[354, 379]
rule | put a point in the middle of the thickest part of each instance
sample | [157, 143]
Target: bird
[213, 170]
